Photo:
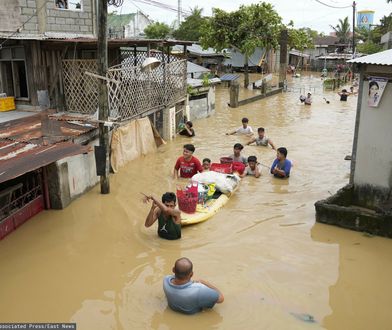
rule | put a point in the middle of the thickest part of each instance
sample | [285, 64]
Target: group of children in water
[187, 165]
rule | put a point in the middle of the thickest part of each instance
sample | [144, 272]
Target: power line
[330, 6]
[21, 27]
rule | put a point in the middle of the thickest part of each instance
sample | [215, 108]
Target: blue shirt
[286, 167]
[189, 298]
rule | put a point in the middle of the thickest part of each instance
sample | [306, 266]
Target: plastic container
[226, 160]
[238, 167]
[186, 203]
[221, 168]
[7, 103]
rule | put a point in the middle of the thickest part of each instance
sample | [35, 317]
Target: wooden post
[283, 57]
[234, 92]
[246, 71]
[103, 115]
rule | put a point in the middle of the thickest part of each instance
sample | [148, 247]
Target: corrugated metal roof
[32, 142]
[298, 53]
[194, 68]
[229, 77]
[381, 58]
[237, 59]
[197, 50]
[18, 158]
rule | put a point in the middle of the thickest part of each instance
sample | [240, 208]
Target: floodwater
[95, 264]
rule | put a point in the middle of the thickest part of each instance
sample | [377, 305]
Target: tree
[157, 30]
[342, 30]
[190, 29]
[369, 47]
[256, 25]
[299, 39]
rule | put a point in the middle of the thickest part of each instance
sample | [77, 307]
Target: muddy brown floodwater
[95, 264]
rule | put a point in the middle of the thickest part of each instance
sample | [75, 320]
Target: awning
[18, 158]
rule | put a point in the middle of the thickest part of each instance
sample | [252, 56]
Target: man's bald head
[183, 268]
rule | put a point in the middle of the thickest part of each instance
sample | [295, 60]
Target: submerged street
[94, 263]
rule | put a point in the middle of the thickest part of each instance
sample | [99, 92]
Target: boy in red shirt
[187, 164]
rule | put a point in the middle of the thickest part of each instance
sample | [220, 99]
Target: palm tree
[342, 30]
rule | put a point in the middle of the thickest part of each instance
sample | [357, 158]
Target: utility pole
[354, 5]
[103, 114]
[179, 13]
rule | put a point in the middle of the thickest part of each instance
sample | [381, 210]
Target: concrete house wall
[137, 25]
[374, 146]
[42, 16]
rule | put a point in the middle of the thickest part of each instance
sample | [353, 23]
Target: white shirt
[242, 130]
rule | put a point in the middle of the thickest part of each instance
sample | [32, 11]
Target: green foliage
[342, 30]
[256, 25]
[300, 39]
[157, 30]
[369, 47]
[366, 35]
[385, 24]
[205, 79]
[190, 29]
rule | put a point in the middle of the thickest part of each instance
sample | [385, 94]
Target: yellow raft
[204, 212]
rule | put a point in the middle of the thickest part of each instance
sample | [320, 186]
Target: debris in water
[367, 235]
[304, 317]
[348, 157]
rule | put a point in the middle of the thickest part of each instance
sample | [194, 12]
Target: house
[201, 91]
[46, 49]
[386, 40]
[322, 47]
[128, 25]
[366, 204]
[207, 58]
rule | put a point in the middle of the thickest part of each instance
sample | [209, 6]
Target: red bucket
[226, 160]
[238, 167]
[221, 168]
[186, 203]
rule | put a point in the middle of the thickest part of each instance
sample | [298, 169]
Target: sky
[304, 13]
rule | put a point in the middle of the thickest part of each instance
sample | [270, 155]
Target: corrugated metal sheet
[194, 68]
[381, 58]
[27, 144]
[18, 158]
[229, 77]
[237, 59]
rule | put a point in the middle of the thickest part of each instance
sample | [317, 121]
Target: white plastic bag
[225, 183]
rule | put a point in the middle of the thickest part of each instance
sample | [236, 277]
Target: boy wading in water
[169, 218]
[281, 166]
[187, 164]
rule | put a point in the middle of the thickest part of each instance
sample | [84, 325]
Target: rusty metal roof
[29, 143]
[18, 158]
[39, 128]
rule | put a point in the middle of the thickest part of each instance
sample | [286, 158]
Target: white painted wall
[136, 26]
[374, 148]
[82, 173]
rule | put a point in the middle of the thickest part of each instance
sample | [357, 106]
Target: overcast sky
[304, 13]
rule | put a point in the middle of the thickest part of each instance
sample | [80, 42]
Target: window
[68, 4]
[13, 75]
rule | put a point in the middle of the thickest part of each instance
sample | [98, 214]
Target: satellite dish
[150, 63]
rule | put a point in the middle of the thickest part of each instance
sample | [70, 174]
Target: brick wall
[74, 21]
[55, 20]
[9, 16]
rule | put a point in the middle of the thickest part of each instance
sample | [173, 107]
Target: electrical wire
[330, 6]
[21, 27]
